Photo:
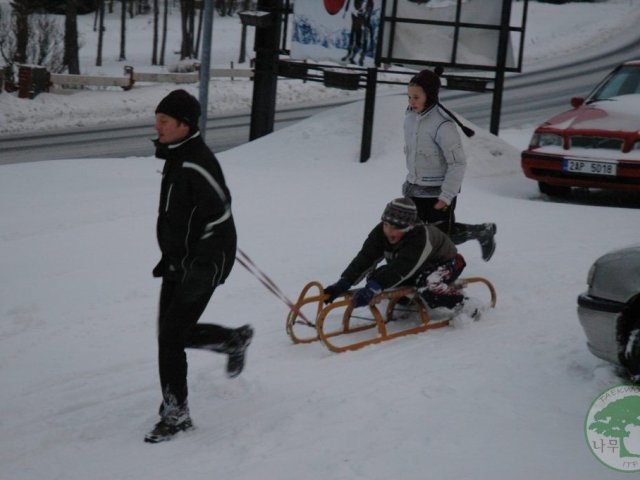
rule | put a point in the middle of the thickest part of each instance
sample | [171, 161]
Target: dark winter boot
[237, 349]
[484, 233]
[487, 240]
[164, 431]
[174, 420]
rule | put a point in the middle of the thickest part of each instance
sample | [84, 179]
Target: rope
[270, 285]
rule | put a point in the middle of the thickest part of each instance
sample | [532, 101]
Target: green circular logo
[612, 428]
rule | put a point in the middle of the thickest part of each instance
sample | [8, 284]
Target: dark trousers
[445, 220]
[181, 305]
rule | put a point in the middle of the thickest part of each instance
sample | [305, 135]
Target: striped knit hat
[401, 213]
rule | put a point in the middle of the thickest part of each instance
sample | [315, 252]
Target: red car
[595, 145]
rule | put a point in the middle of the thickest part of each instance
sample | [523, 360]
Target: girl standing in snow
[436, 162]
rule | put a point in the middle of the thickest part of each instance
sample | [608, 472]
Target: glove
[335, 290]
[364, 296]
[160, 269]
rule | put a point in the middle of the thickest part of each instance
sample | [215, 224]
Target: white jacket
[434, 153]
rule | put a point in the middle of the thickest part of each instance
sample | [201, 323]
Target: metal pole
[369, 108]
[265, 77]
[205, 64]
[503, 43]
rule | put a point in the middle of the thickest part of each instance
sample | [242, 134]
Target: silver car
[609, 311]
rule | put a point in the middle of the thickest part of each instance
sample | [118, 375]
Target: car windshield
[624, 81]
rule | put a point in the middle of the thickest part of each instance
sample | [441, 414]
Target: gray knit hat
[401, 213]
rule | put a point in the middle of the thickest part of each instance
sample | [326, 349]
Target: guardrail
[131, 77]
[33, 80]
[68, 80]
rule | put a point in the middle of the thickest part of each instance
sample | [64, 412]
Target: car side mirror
[577, 101]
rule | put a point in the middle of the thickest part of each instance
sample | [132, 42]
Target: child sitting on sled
[416, 254]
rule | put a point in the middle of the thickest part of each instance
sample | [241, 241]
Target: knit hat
[429, 82]
[182, 106]
[401, 213]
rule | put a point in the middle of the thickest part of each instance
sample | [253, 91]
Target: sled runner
[351, 326]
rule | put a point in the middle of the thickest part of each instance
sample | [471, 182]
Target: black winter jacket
[422, 247]
[195, 228]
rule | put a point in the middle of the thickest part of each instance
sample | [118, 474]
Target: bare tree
[123, 31]
[71, 60]
[192, 27]
[22, 9]
[96, 16]
[164, 31]
[100, 32]
[187, 21]
[156, 18]
[199, 35]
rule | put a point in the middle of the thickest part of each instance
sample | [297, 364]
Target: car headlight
[545, 139]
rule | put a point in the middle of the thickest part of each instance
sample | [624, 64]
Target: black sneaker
[241, 339]
[487, 240]
[164, 431]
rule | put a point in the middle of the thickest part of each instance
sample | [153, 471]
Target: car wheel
[629, 341]
[554, 190]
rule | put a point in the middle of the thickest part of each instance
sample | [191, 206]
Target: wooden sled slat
[379, 322]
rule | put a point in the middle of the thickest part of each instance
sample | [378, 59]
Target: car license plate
[593, 168]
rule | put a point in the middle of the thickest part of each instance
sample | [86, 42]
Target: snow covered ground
[502, 398]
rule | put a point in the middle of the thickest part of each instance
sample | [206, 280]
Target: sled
[318, 331]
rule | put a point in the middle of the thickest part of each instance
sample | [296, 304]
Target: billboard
[462, 33]
[454, 32]
[342, 31]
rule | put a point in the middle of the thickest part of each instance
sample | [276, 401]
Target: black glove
[364, 296]
[335, 290]
[160, 269]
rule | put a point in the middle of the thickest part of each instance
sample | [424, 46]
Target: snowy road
[225, 131]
